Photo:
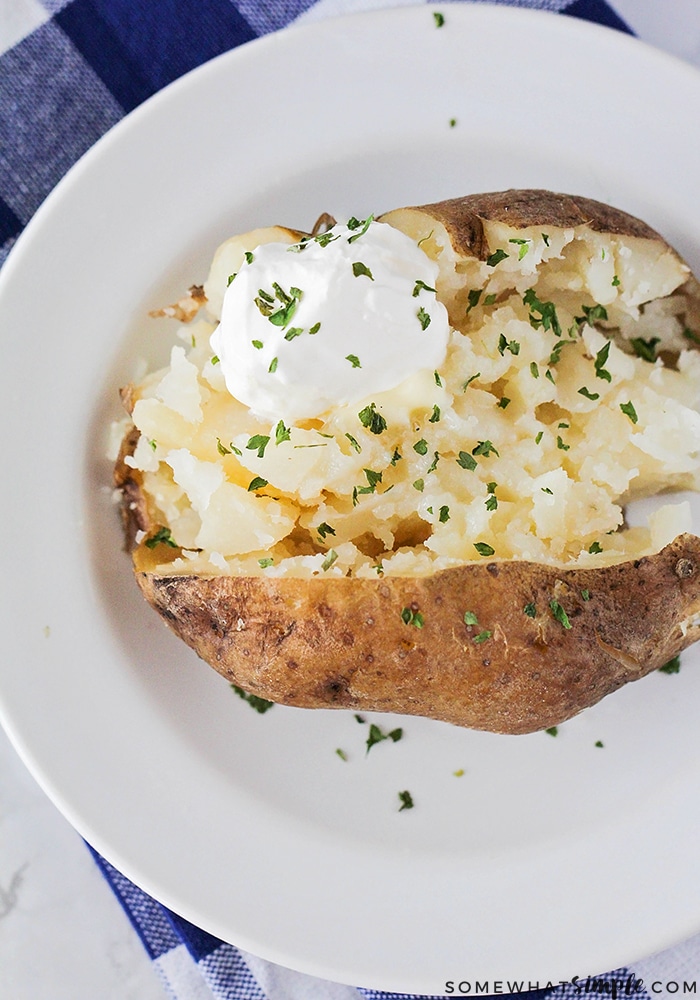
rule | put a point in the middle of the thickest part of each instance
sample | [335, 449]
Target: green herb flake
[421, 447]
[472, 378]
[292, 332]
[503, 402]
[473, 296]
[552, 731]
[583, 391]
[438, 18]
[645, 349]
[420, 286]
[359, 270]
[600, 362]
[482, 637]
[485, 448]
[370, 418]
[214, 360]
[273, 366]
[508, 345]
[329, 560]
[433, 419]
[282, 433]
[530, 610]
[230, 279]
[265, 562]
[354, 360]
[496, 257]
[546, 489]
[534, 369]
[257, 344]
[490, 299]
[289, 302]
[524, 246]
[585, 595]
[396, 457]
[539, 437]
[592, 315]
[484, 549]
[249, 257]
[162, 537]
[353, 442]
[438, 380]
[466, 461]
[444, 515]
[594, 549]
[599, 743]
[406, 800]
[561, 445]
[470, 618]
[672, 667]
[419, 485]
[559, 614]
[629, 411]
[433, 464]
[261, 705]
[341, 753]
[258, 442]
[257, 483]
[411, 616]
[542, 314]
[325, 529]
[423, 318]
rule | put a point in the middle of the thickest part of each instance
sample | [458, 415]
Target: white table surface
[63, 936]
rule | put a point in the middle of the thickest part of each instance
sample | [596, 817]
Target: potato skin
[463, 218]
[341, 643]
[333, 642]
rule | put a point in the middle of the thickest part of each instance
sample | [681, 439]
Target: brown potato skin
[341, 643]
[330, 642]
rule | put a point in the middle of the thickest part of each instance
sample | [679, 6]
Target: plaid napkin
[69, 70]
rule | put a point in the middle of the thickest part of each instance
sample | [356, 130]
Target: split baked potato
[465, 555]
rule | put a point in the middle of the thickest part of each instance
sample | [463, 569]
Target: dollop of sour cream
[329, 321]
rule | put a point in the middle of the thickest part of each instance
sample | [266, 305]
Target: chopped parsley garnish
[435, 415]
[599, 743]
[472, 378]
[162, 537]
[249, 257]
[370, 418]
[325, 529]
[645, 349]
[260, 705]
[359, 269]
[420, 286]
[410, 616]
[329, 560]
[484, 549]
[377, 735]
[508, 345]
[373, 480]
[221, 448]
[230, 279]
[396, 457]
[592, 314]
[288, 304]
[419, 485]
[214, 360]
[423, 318]
[585, 595]
[600, 362]
[406, 801]
[615, 282]
[473, 297]
[496, 257]
[503, 402]
[490, 299]
[258, 442]
[485, 448]
[470, 618]
[438, 380]
[552, 731]
[545, 237]
[444, 515]
[273, 366]
[292, 332]
[530, 610]
[341, 754]
[539, 437]
[353, 442]
[629, 411]
[354, 360]
[491, 499]
[534, 370]
[561, 445]
[438, 18]
[594, 549]
[672, 667]
[421, 447]
[257, 344]
[265, 562]
[583, 391]
[546, 489]
[542, 314]
[524, 247]
[482, 636]
[466, 461]
[282, 433]
[559, 614]
[257, 483]
[362, 226]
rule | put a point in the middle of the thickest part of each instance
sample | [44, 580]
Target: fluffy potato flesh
[469, 561]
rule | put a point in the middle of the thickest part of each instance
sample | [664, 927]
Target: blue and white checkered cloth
[70, 70]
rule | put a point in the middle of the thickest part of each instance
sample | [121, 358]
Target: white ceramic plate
[548, 858]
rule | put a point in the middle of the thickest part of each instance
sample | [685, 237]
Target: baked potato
[456, 546]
